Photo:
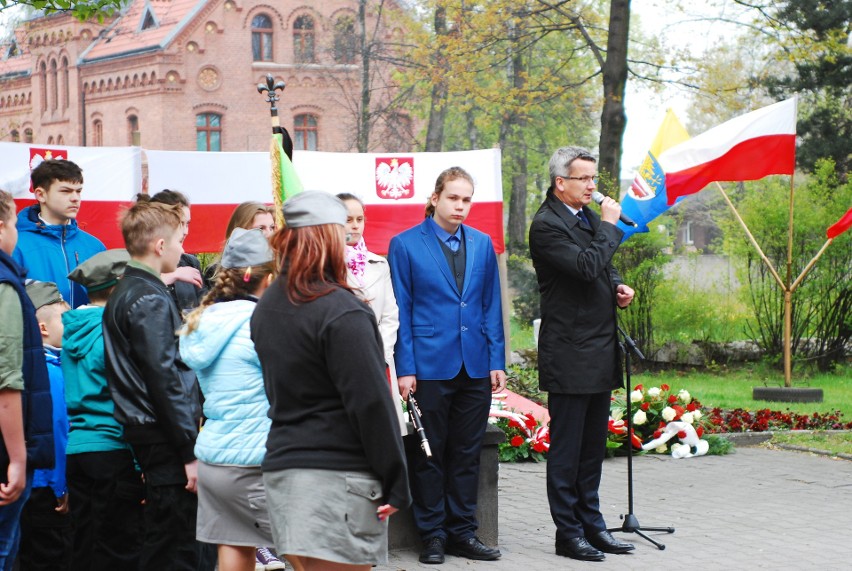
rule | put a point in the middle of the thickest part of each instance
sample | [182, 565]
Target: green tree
[822, 305]
[82, 9]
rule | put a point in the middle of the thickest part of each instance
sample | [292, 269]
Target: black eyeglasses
[583, 179]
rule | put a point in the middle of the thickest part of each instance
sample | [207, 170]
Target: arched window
[50, 140]
[208, 132]
[43, 84]
[54, 86]
[261, 38]
[307, 133]
[303, 39]
[65, 88]
[344, 40]
[15, 136]
[28, 135]
[60, 140]
[133, 130]
[97, 133]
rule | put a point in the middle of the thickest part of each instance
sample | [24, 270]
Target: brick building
[183, 75]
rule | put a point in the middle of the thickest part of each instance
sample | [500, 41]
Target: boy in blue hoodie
[45, 521]
[26, 435]
[106, 487]
[50, 243]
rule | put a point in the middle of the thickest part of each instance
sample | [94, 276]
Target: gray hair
[560, 162]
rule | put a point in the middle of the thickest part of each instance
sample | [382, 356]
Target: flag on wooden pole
[840, 226]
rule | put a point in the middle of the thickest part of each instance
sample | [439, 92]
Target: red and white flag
[840, 226]
[394, 187]
[748, 147]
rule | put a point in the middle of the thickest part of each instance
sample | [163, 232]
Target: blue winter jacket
[90, 404]
[49, 252]
[55, 477]
[222, 354]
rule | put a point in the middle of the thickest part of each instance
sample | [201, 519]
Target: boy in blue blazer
[450, 350]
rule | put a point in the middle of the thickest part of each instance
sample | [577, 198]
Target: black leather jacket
[156, 395]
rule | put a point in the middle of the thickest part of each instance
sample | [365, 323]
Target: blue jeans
[10, 527]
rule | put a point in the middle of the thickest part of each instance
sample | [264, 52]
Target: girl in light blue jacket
[217, 344]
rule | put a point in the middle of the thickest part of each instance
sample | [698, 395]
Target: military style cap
[43, 293]
[313, 208]
[101, 270]
[246, 248]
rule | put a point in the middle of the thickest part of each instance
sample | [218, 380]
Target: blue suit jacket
[439, 328]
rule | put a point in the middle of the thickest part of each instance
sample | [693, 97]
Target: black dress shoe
[604, 541]
[578, 548]
[433, 551]
[473, 549]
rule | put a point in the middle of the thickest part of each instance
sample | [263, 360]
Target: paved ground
[756, 508]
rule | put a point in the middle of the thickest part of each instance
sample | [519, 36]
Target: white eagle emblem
[393, 179]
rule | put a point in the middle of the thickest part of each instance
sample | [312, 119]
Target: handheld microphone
[598, 197]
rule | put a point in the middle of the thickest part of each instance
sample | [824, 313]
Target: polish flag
[748, 147]
[840, 226]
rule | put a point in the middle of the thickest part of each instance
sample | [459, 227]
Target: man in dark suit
[450, 349]
[579, 362]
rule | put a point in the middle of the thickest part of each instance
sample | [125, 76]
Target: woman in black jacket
[334, 469]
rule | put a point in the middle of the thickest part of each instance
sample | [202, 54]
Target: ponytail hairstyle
[229, 284]
[448, 175]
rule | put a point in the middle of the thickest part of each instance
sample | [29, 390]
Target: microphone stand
[631, 522]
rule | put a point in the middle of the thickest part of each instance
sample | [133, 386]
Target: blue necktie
[582, 216]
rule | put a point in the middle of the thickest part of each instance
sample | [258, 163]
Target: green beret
[101, 270]
[43, 293]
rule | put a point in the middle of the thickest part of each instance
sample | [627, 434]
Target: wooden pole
[788, 300]
[751, 238]
[810, 265]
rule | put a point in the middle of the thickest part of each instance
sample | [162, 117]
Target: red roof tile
[127, 36]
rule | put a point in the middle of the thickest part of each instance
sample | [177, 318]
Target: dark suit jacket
[577, 348]
[440, 328]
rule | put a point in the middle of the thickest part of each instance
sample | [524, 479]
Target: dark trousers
[578, 431]
[106, 494]
[170, 511]
[445, 488]
[45, 534]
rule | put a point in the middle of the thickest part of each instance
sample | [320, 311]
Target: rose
[684, 396]
[687, 417]
[668, 414]
[516, 441]
[696, 414]
[636, 396]
[640, 418]
[645, 406]
[672, 399]
[664, 387]
[653, 392]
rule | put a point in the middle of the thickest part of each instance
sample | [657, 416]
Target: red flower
[514, 423]
[692, 407]
[679, 410]
[645, 405]
[699, 431]
[637, 388]
[664, 387]
[539, 447]
[637, 442]
[531, 422]
[516, 441]
[672, 399]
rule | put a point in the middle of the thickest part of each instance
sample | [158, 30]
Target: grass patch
[837, 443]
[521, 335]
[733, 389]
